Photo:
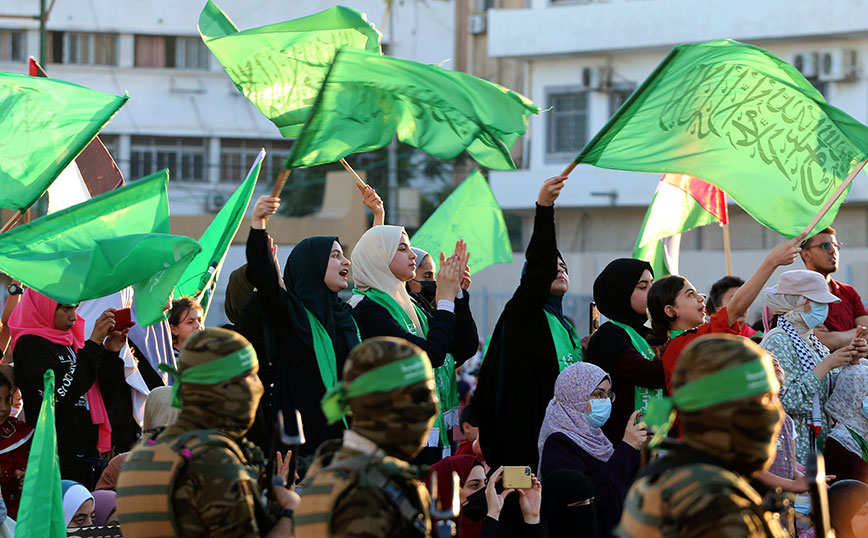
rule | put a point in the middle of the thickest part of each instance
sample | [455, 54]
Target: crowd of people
[674, 418]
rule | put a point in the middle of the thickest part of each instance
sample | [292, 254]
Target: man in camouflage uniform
[215, 492]
[361, 486]
[724, 389]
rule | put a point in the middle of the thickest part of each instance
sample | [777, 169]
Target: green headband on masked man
[212, 372]
[733, 383]
[335, 403]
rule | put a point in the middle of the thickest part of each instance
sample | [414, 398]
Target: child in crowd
[678, 311]
[185, 318]
[15, 437]
[721, 294]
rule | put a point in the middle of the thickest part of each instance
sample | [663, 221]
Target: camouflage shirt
[355, 502]
[698, 500]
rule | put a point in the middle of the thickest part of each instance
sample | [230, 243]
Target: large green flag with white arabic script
[470, 213]
[44, 125]
[367, 99]
[200, 277]
[742, 119]
[103, 245]
[280, 67]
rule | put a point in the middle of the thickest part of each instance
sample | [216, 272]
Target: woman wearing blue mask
[847, 445]
[571, 438]
[800, 301]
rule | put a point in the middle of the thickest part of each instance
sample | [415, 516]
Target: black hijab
[613, 288]
[303, 275]
[555, 303]
[562, 488]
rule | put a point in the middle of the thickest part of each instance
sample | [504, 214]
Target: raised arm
[783, 254]
[374, 203]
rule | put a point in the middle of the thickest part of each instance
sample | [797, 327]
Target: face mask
[865, 408]
[600, 411]
[817, 314]
[476, 507]
[429, 290]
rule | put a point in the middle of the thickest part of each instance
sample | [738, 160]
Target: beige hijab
[790, 308]
[371, 258]
[158, 409]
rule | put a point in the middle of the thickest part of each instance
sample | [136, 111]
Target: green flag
[366, 99]
[41, 510]
[470, 213]
[280, 67]
[103, 245]
[44, 125]
[201, 275]
[742, 119]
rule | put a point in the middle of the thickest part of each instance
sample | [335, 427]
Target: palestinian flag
[681, 203]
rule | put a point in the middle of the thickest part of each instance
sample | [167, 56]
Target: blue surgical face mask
[599, 414]
[817, 314]
[865, 407]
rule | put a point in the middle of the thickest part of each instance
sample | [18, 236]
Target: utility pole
[392, 207]
[43, 40]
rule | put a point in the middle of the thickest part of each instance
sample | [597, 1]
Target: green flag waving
[41, 510]
[201, 275]
[44, 124]
[100, 246]
[366, 99]
[470, 213]
[280, 67]
[742, 119]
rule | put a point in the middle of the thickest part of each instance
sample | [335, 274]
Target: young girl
[678, 311]
[15, 438]
[185, 318]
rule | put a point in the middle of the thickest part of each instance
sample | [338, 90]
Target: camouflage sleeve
[726, 516]
[364, 513]
[216, 504]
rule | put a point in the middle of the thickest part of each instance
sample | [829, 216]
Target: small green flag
[202, 273]
[738, 117]
[470, 213]
[280, 67]
[44, 125]
[41, 510]
[103, 245]
[367, 99]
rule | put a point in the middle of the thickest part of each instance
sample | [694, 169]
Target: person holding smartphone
[571, 438]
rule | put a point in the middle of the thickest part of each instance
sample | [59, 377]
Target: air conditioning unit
[807, 63]
[837, 64]
[214, 201]
[596, 78]
[476, 24]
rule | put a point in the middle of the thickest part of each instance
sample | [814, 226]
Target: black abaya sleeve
[261, 271]
[542, 262]
[466, 336]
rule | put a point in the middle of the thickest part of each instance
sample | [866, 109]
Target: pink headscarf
[34, 314]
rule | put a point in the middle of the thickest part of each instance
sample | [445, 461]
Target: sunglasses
[827, 246]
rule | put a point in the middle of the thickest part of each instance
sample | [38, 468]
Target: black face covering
[476, 507]
[429, 290]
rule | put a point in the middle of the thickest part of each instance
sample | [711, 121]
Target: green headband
[213, 372]
[734, 383]
[335, 403]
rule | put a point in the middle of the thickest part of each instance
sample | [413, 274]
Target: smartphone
[516, 476]
[122, 319]
[594, 319]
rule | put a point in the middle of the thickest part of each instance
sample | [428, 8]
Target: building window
[170, 51]
[185, 158]
[618, 95]
[236, 156]
[82, 48]
[12, 44]
[567, 123]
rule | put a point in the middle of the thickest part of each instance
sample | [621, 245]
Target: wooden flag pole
[727, 250]
[11, 222]
[280, 182]
[837, 194]
[569, 168]
[358, 179]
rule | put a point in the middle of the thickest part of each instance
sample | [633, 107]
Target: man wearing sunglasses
[821, 253]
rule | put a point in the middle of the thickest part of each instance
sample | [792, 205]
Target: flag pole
[569, 168]
[834, 198]
[727, 250]
[355, 175]
[280, 182]
[11, 222]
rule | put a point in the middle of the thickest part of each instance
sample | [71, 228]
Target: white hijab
[371, 258]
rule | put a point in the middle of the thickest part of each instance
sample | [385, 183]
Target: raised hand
[265, 207]
[495, 500]
[374, 203]
[105, 324]
[530, 501]
[550, 190]
[448, 278]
